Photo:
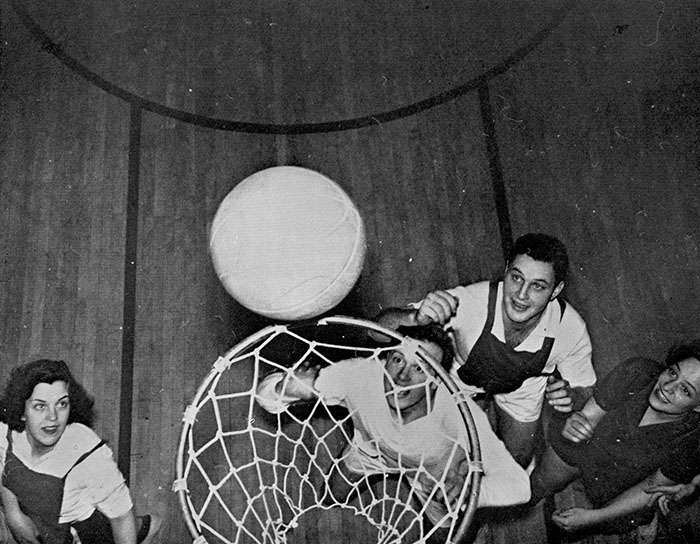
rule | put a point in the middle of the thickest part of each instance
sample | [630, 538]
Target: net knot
[190, 415]
[180, 484]
[476, 466]
[222, 364]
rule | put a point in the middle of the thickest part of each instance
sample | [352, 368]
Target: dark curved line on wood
[299, 128]
[497, 182]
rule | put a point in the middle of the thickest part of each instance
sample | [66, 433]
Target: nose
[668, 385]
[522, 292]
[403, 375]
[52, 414]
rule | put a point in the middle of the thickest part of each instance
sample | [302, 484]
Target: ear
[557, 290]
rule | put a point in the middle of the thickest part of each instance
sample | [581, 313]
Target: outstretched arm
[665, 494]
[436, 307]
[280, 389]
[633, 500]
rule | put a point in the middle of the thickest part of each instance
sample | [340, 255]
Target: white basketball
[288, 243]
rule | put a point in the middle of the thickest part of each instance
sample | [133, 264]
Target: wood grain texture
[597, 130]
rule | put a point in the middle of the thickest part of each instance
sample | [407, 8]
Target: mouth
[661, 396]
[50, 430]
[518, 307]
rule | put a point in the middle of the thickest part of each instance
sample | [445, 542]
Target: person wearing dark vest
[516, 340]
[59, 478]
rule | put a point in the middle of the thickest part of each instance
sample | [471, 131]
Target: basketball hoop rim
[473, 478]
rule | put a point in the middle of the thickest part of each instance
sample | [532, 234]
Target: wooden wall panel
[598, 134]
[63, 177]
[597, 130]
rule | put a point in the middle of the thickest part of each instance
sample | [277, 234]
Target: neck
[654, 417]
[516, 333]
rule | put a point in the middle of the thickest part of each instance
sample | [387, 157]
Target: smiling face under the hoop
[408, 380]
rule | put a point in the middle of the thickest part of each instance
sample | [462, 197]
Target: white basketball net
[245, 475]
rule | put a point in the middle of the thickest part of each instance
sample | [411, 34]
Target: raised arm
[436, 307]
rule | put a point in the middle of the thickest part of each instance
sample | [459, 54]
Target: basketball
[287, 243]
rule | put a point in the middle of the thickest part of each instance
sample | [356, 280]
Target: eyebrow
[35, 399]
[539, 280]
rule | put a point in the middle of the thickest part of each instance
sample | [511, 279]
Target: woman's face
[677, 389]
[46, 414]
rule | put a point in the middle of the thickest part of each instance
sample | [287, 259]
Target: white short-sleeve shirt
[571, 351]
[96, 482]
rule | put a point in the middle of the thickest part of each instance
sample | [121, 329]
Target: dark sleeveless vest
[40, 496]
[495, 366]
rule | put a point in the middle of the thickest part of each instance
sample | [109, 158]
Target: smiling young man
[639, 431]
[403, 418]
[515, 339]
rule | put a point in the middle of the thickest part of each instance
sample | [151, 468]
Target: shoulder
[473, 297]
[347, 372]
[640, 370]
[626, 379]
[79, 438]
[477, 289]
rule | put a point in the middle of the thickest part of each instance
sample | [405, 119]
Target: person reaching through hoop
[404, 420]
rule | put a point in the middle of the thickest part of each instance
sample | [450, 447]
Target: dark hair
[545, 248]
[680, 352]
[432, 333]
[25, 378]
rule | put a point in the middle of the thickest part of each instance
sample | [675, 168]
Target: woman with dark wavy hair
[638, 432]
[58, 476]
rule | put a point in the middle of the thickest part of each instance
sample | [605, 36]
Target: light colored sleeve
[504, 482]
[268, 397]
[574, 357]
[108, 491]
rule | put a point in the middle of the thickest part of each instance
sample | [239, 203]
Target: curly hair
[435, 334]
[681, 352]
[25, 378]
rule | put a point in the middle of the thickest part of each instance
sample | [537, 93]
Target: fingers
[665, 489]
[577, 428]
[558, 394]
[437, 307]
[663, 504]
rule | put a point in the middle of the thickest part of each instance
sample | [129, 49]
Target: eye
[672, 371]
[686, 391]
[63, 404]
[537, 287]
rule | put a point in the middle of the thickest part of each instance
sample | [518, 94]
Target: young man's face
[46, 414]
[405, 378]
[677, 389]
[528, 286]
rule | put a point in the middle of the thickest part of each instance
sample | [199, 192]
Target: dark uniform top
[621, 454]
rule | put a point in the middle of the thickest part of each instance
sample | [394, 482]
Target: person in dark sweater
[638, 430]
